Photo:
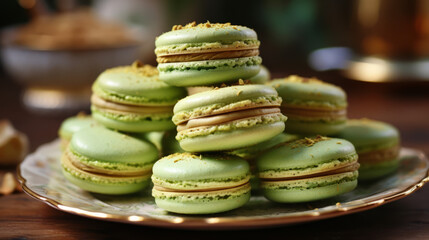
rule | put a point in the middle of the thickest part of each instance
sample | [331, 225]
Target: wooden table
[403, 105]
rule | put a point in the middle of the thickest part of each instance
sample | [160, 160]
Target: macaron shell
[237, 138]
[106, 145]
[225, 95]
[369, 172]
[297, 196]
[188, 166]
[211, 34]
[311, 189]
[209, 72]
[136, 126]
[262, 77]
[253, 151]
[310, 128]
[303, 153]
[122, 84]
[74, 124]
[103, 184]
[369, 135]
[309, 93]
[204, 202]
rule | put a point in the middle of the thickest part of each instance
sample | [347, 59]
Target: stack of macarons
[226, 116]
[231, 129]
[113, 150]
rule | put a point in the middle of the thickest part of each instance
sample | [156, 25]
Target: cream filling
[216, 109]
[223, 48]
[160, 191]
[121, 108]
[310, 112]
[226, 117]
[354, 166]
[379, 156]
[68, 166]
[205, 186]
[73, 160]
[207, 55]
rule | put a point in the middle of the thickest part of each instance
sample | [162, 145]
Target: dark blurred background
[52, 50]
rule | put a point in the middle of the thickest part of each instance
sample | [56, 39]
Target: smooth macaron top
[74, 124]
[205, 32]
[253, 151]
[366, 134]
[191, 167]
[309, 91]
[136, 84]
[98, 143]
[222, 96]
[306, 153]
[262, 77]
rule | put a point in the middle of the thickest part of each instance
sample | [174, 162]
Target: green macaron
[200, 184]
[133, 99]
[228, 118]
[72, 125]
[308, 169]
[312, 106]
[207, 54]
[377, 144]
[262, 77]
[250, 154]
[100, 160]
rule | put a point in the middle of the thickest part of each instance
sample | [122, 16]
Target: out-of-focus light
[27, 3]
[369, 69]
[330, 58]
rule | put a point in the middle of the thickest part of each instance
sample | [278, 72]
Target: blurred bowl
[69, 73]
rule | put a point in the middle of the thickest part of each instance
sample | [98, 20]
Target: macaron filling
[107, 168]
[334, 114]
[200, 185]
[220, 108]
[204, 47]
[310, 172]
[379, 156]
[311, 182]
[210, 55]
[97, 178]
[209, 128]
[209, 65]
[207, 195]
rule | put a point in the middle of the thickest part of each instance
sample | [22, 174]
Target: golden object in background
[13, 144]
[77, 30]
[392, 29]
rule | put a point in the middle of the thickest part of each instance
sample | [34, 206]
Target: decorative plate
[41, 178]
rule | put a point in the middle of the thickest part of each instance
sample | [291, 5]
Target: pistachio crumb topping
[296, 78]
[308, 142]
[138, 68]
[203, 25]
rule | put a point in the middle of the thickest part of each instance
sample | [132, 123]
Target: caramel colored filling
[307, 112]
[103, 172]
[200, 56]
[120, 108]
[353, 166]
[379, 156]
[226, 117]
[163, 189]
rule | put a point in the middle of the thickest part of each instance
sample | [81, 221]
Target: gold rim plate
[41, 178]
